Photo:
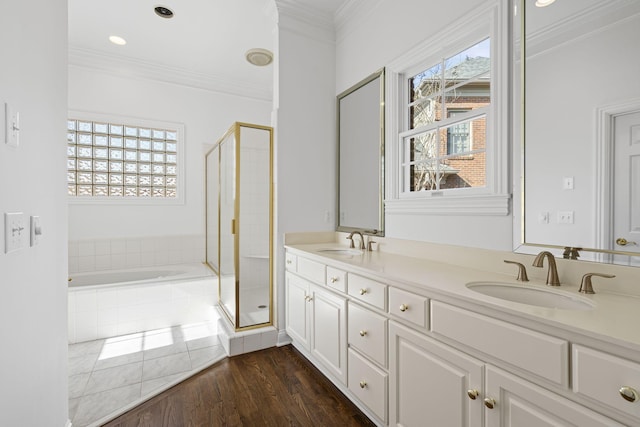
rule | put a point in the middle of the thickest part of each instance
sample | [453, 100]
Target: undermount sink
[532, 295]
[343, 252]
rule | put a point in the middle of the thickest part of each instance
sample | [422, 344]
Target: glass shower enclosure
[239, 223]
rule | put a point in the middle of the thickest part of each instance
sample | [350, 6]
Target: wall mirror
[361, 156]
[580, 127]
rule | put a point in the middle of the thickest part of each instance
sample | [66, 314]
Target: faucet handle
[522, 271]
[586, 286]
[351, 245]
[370, 246]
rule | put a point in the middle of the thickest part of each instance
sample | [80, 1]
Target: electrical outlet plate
[11, 126]
[35, 229]
[14, 231]
[565, 217]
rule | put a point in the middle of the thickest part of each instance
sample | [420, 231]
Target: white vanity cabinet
[317, 322]
[515, 402]
[408, 357]
[430, 383]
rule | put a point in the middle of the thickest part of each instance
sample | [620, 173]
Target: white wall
[33, 299]
[305, 145]
[374, 38]
[206, 116]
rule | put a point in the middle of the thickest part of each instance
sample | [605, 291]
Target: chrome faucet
[350, 237]
[552, 275]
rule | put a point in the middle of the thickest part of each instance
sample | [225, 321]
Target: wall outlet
[565, 217]
[543, 218]
[15, 231]
[567, 183]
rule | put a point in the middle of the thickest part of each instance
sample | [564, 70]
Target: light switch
[11, 126]
[15, 231]
[36, 230]
[567, 183]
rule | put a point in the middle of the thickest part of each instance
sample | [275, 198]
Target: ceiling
[204, 44]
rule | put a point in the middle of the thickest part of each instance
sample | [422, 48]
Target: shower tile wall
[115, 254]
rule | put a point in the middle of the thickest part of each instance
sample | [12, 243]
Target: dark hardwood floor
[273, 387]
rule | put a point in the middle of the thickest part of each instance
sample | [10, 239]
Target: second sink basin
[532, 295]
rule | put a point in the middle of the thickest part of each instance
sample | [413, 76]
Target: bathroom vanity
[416, 342]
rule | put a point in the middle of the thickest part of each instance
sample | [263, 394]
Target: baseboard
[283, 338]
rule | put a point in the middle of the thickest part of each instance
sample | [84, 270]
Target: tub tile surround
[445, 269]
[120, 253]
[109, 376]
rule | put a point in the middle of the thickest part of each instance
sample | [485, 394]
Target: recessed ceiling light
[117, 40]
[163, 12]
[544, 3]
[259, 57]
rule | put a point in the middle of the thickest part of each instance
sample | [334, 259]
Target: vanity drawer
[367, 290]
[601, 376]
[367, 331]
[336, 279]
[408, 306]
[369, 384]
[540, 354]
[312, 270]
[290, 262]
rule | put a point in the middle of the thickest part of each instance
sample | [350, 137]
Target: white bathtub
[111, 303]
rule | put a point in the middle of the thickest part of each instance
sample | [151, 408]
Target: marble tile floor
[109, 376]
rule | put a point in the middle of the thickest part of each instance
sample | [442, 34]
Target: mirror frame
[379, 231]
[519, 72]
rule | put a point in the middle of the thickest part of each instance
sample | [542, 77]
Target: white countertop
[615, 319]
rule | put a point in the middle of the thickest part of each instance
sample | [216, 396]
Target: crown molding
[306, 21]
[121, 66]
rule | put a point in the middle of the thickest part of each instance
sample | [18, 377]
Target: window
[444, 144]
[447, 149]
[115, 160]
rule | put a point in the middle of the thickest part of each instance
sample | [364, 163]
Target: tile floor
[112, 374]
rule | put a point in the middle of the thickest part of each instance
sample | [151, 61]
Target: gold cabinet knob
[363, 291]
[363, 333]
[363, 384]
[628, 393]
[404, 307]
[288, 261]
[307, 298]
[472, 393]
[333, 279]
[489, 402]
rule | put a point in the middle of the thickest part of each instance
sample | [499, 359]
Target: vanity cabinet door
[431, 382]
[297, 309]
[518, 403]
[328, 342]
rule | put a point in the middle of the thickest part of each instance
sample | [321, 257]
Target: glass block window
[116, 160]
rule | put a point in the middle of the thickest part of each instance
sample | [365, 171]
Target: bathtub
[111, 303]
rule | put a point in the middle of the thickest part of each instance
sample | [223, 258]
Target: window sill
[488, 204]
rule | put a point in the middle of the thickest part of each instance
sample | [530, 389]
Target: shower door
[240, 232]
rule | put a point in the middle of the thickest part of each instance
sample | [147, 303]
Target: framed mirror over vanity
[578, 70]
[360, 127]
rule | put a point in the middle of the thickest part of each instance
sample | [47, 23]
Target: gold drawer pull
[404, 307]
[472, 393]
[363, 384]
[363, 333]
[363, 291]
[307, 298]
[334, 279]
[489, 402]
[628, 393]
[288, 261]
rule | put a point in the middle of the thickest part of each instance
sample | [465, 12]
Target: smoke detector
[259, 57]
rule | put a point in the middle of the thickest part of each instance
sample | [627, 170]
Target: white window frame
[148, 123]
[489, 20]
